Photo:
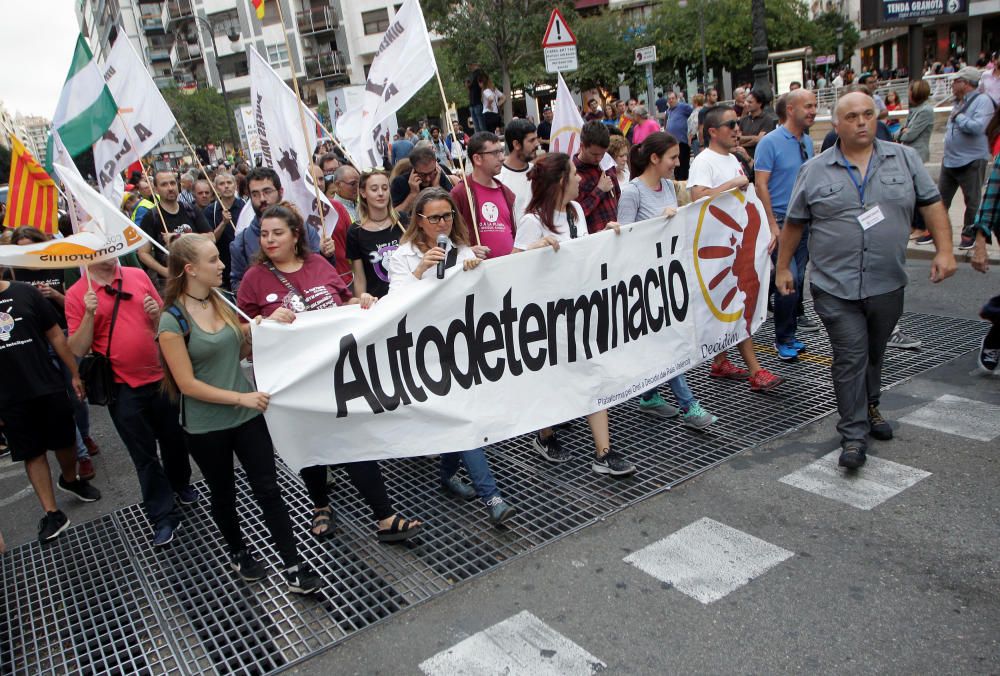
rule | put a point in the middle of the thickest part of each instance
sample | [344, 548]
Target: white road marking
[707, 559]
[10, 499]
[522, 644]
[867, 488]
[968, 418]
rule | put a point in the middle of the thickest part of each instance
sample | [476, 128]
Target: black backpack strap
[114, 317]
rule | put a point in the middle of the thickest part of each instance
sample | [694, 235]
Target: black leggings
[251, 442]
[367, 479]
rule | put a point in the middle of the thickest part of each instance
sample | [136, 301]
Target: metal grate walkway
[101, 600]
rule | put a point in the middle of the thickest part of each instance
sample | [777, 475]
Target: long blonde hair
[184, 251]
[363, 214]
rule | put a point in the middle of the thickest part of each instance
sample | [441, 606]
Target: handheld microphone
[442, 242]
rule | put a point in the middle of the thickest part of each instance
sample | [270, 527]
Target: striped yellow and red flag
[258, 6]
[32, 198]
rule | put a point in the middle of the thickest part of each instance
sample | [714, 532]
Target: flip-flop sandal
[401, 529]
[323, 517]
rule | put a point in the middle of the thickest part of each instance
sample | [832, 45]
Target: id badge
[871, 217]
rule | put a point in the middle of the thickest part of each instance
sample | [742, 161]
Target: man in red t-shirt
[141, 412]
[493, 202]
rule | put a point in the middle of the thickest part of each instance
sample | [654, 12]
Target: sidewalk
[957, 217]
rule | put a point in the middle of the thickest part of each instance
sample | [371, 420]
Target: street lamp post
[701, 28]
[233, 34]
[758, 26]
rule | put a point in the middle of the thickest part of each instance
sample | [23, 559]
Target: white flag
[143, 119]
[567, 123]
[279, 128]
[403, 63]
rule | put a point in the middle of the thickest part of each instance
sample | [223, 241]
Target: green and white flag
[86, 107]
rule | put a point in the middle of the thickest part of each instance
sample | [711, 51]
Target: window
[375, 21]
[277, 55]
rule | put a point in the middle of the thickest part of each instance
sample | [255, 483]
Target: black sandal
[400, 529]
[323, 517]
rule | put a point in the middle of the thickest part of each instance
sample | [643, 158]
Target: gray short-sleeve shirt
[846, 260]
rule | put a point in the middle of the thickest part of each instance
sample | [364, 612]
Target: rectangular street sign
[560, 59]
[645, 55]
[823, 60]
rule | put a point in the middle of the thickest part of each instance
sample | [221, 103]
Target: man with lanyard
[857, 199]
[780, 155]
[966, 149]
[491, 213]
[222, 215]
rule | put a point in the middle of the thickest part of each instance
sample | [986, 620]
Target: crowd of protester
[176, 347]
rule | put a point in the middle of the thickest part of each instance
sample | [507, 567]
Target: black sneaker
[878, 427]
[989, 358]
[613, 463]
[301, 580]
[852, 457]
[51, 525]
[81, 488]
[551, 449]
[249, 568]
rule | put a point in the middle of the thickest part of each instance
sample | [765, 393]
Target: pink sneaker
[764, 381]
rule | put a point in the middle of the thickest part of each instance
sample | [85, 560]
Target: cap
[970, 74]
[546, 109]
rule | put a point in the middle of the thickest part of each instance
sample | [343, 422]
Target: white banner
[143, 120]
[403, 63]
[279, 127]
[520, 343]
[107, 234]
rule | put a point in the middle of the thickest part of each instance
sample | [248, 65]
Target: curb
[926, 253]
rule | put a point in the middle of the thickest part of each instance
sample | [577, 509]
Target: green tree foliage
[201, 114]
[825, 28]
[605, 45]
[503, 36]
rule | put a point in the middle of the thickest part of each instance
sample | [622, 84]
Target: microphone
[442, 242]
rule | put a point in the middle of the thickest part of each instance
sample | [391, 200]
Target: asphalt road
[911, 585]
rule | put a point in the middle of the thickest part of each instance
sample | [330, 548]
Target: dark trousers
[970, 179]
[251, 442]
[786, 308]
[681, 170]
[476, 113]
[366, 476]
[859, 331]
[991, 313]
[144, 416]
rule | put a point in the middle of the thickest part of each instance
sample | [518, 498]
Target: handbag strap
[287, 284]
[571, 220]
[114, 317]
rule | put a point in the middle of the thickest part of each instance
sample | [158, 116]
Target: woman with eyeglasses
[202, 342]
[434, 214]
[553, 216]
[286, 280]
[649, 195]
[372, 240]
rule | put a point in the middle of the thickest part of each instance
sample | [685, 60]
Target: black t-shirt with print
[52, 278]
[26, 370]
[185, 220]
[373, 249]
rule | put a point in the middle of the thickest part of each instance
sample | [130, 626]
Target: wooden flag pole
[466, 178]
[302, 120]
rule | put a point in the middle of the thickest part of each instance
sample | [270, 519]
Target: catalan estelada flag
[258, 6]
[32, 198]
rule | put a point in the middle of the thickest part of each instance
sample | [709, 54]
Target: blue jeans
[478, 121]
[785, 307]
[81, 413]
[477, 467]
[679, 386]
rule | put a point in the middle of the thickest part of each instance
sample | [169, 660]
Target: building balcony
[326, 65]
[152, 24]
[175, 13]
[317, 20]
[158, 53]
[164, 81]
[183, 54]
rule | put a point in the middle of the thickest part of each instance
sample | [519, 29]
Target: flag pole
[201, 166]
[466, 178]
[145, 174]
[302, 120]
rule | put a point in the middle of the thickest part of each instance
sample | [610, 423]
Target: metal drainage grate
[101, 600]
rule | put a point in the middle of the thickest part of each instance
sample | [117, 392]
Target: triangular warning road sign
[558, 34]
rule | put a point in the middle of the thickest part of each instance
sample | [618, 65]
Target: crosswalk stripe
[967, 418]
[867, 488]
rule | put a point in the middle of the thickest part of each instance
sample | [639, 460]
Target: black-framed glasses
[435, 219]
[498, 153]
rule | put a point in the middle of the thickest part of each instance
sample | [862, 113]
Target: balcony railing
[182, 53]
[317, 20]
[152, 24]
[158, 53]
[176, 11]
[329, 64]
[164, 81]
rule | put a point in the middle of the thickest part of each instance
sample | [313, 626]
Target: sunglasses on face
[730, 124]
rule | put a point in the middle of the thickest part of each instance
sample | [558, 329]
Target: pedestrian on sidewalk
[857, 198]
